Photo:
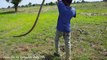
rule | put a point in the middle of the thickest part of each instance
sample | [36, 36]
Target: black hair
[67, 2]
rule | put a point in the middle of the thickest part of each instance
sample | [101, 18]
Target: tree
[15, 2]
[46, 3]
[30, 4]
[51, 3]
[22, 6]
[8, 7]
[33, 4]
[83, 1]
[74, 1]
[105, 0]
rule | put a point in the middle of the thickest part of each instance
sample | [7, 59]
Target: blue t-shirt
[65, 15]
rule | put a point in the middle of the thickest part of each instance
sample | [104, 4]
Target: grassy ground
[89, 31]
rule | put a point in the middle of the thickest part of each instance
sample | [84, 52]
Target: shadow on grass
[51, 57]
[8, 12]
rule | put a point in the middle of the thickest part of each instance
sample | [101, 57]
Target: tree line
[16, 3]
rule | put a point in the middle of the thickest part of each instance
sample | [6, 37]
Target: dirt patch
[1, 57]
[22, 48]
[97, 46]
[93, 14]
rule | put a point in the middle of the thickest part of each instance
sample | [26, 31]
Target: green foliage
[83, 1]
[15, 2]
[30, 4]
[51, 3]
[104, 0]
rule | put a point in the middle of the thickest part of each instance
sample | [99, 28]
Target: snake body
[34, 22]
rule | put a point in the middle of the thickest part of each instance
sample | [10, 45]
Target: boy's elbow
[75, 16]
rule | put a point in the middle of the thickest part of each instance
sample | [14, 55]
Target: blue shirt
[65, 15]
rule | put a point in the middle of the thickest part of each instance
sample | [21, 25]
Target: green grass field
[89, 31]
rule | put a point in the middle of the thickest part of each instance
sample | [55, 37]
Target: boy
[63, 26]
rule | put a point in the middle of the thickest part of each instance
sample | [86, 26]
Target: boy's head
[67, 2]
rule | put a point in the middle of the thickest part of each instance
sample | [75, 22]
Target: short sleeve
[74, 12]
[61, 7]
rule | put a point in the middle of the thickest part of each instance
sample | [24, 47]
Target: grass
[89, 31]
